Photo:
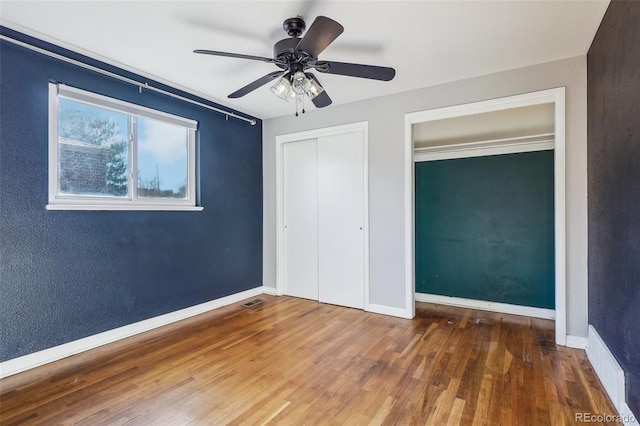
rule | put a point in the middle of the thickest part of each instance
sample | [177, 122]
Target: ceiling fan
[295, 55]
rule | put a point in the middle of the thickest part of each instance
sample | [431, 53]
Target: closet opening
[485, 206]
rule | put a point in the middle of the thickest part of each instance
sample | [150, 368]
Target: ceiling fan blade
[256, 84]
[356, 70]
[321, 34]
[233, 55]
[323, 99]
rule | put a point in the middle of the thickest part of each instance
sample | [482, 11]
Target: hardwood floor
[291, 361]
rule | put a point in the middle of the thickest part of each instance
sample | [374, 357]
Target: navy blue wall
[65, 275]
[613, 84]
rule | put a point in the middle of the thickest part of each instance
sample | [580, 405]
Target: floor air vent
[253, 303]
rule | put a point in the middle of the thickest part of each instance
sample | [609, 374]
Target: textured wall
[614, 188]
[65, 275]
[484, 228]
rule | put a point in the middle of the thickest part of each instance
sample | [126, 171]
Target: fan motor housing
[285, 52]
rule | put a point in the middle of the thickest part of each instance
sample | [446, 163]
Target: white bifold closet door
[301, 219]
[324, 219]
[340, 220]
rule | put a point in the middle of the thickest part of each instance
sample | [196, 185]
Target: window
[106, 154]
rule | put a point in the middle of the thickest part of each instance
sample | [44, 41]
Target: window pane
[162, 159]
[92, 150]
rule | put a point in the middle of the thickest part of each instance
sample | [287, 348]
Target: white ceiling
[427, 42]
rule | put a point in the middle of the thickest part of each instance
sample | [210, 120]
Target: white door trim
[360, 127]
[555, 96]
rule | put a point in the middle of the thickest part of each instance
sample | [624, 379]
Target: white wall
[386, 171]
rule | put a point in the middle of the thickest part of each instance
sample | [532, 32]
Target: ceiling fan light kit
[295, 55]
[300, 83]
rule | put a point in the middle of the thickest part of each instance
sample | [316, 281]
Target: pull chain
[299, 100]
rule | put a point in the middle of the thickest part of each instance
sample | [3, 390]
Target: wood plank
[295, 361]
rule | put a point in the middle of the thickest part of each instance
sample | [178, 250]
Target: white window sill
[121, 207]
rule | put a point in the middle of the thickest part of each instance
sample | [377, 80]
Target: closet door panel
[340, 220]
[301, 219]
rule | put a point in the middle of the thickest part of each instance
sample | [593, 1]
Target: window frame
[131, 201]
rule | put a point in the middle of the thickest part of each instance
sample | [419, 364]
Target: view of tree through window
[108, 154]
[92, 150]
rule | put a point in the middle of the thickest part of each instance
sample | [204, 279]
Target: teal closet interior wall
[484, 228]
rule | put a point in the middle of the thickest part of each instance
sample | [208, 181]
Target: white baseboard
[504, 308]
[627, 417]
[577, 342]
[610, 374]
[36, 359]
[387, 310]
[269, 290]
